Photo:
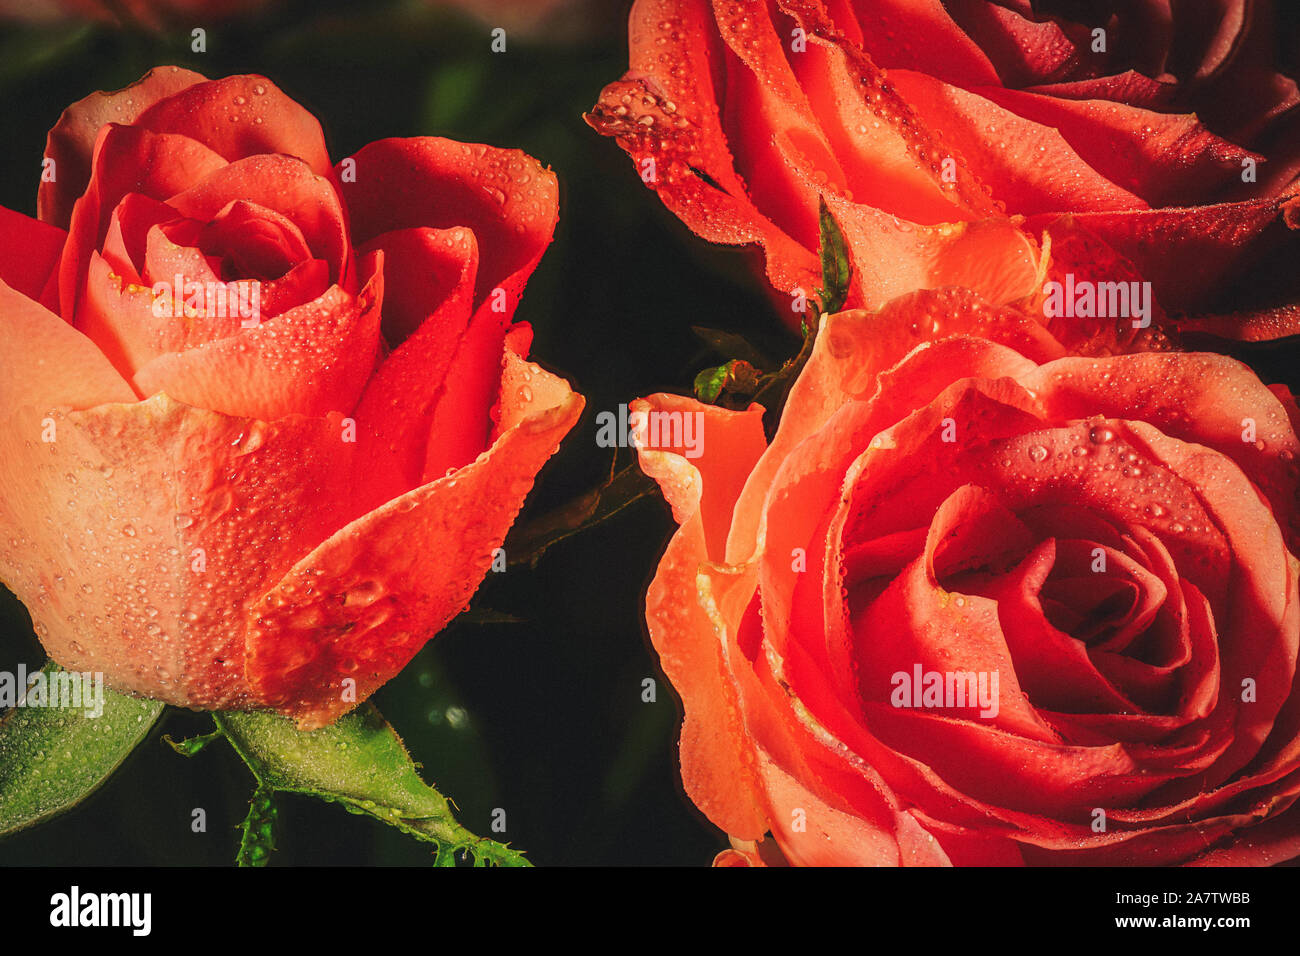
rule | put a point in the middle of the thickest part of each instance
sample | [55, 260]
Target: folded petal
[890, 29]
[1184, 252]
[1166, 159]
[285, 185]
[354, 611]
[666, 114]
[1030, 164]
[507, 198]
[396, 413]
[240, 116]
[172, 520]
[71, 142]
[45, 362]
[718, 768]
[126, 160]
[994, 258]
[310, 360]
[29, 257]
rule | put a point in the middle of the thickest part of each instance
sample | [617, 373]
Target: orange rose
[947, 137]
[265, 421]
[982, 603]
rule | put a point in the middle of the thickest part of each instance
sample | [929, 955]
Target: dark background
[554, 729]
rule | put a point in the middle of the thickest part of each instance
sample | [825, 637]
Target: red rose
[1164, 133]
[265, 419]
[980, 603]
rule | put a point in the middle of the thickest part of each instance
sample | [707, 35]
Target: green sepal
[360, 763]
[52, 758]
[837, 271]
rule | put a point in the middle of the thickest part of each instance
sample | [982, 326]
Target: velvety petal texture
[981, 602]
[932, 128]
[264, 420]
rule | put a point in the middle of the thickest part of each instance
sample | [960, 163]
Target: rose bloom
[947, 137]
[222, 506]
[1094, 557]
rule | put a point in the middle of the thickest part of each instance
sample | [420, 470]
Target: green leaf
[836, 270]
[257, 836]
[708, 384]
[52, 758]
[733, 383]
[360, 763]
[529, 540]
[191, 745]
[737, 384]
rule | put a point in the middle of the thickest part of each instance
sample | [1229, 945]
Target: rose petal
[45, 362]
[173, 520]
[1023, 50]
[889, 29]
[395, 414]
[1211, 400]
[1274, 841]
[311, 360]
[29, 257]
[857, 78]
[238, 117]
[1184, 252]
[286, 186]
[126, 160]
[1167, 159]
[992, 257]
[851, 351]
[355, 610]
[71, 142]
[1029, 163]
[718, 770]
[507, 198]
[258, 242]
[631, 112]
